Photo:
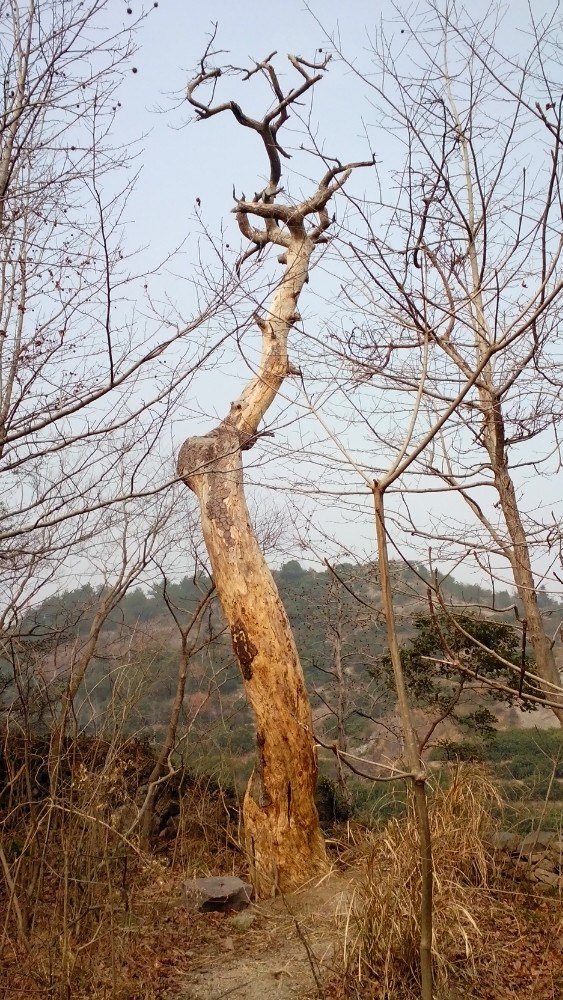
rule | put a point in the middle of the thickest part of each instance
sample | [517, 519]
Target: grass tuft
[382, 925]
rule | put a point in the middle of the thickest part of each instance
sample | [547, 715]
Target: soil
[290, 948]
[278, 949]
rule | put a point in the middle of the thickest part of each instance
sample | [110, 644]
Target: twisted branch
[281, 220]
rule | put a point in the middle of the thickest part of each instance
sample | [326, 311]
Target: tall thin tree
[283, 837]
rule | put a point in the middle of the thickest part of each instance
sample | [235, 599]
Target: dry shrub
[208, 839]
[83, 911]
[382, 934]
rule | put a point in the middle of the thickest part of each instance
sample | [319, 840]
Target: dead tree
[283, 838]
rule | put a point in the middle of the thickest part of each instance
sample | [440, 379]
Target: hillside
[281, 948]
[337, 623]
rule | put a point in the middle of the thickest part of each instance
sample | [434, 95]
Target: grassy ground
[85, 913]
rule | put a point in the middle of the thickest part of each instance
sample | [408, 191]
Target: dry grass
[382, 926]
[83, 911]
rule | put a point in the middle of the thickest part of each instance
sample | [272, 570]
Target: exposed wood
[282, 833]
[284, 842]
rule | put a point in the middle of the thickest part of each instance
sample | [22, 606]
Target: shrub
[383, 925]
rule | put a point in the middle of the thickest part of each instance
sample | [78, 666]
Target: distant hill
[336, 617]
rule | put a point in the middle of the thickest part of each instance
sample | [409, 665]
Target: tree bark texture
[518, 552]
[282, 833]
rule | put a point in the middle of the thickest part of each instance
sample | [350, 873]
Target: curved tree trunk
[284, 843]
[283, 837]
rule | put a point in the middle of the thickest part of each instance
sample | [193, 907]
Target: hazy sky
[208, 158]
[185, 161]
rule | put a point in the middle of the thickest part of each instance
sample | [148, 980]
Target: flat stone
[506, 842]
[537, 839]
[545, 865]
[547, 878]
[222, 893]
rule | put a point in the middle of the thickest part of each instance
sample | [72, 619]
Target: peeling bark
[282, 834]
[283, 837]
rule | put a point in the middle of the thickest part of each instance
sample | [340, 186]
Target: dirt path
[275, 950]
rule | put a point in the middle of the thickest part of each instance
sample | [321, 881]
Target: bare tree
[87, 487]
[189, 642]
[461, 265]
[85, 387]
[342, 665]
[283, 837]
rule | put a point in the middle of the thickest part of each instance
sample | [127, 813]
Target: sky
[189, 168]
[206, 159]
[184, 161]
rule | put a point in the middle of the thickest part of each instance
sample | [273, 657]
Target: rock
[124, 816]
[536, 840]
[243, 921]
[545, 866]
[521, 864]
[222, 893]
[546, 878]
[509, 842]
[536, 859]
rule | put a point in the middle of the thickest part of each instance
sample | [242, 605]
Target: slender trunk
[78, 670]
[412, 753]
[166, 749]
[426, 879]
[519, 556]
[169, 743]
[342, 705]
[518, 552]
[494, 440]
